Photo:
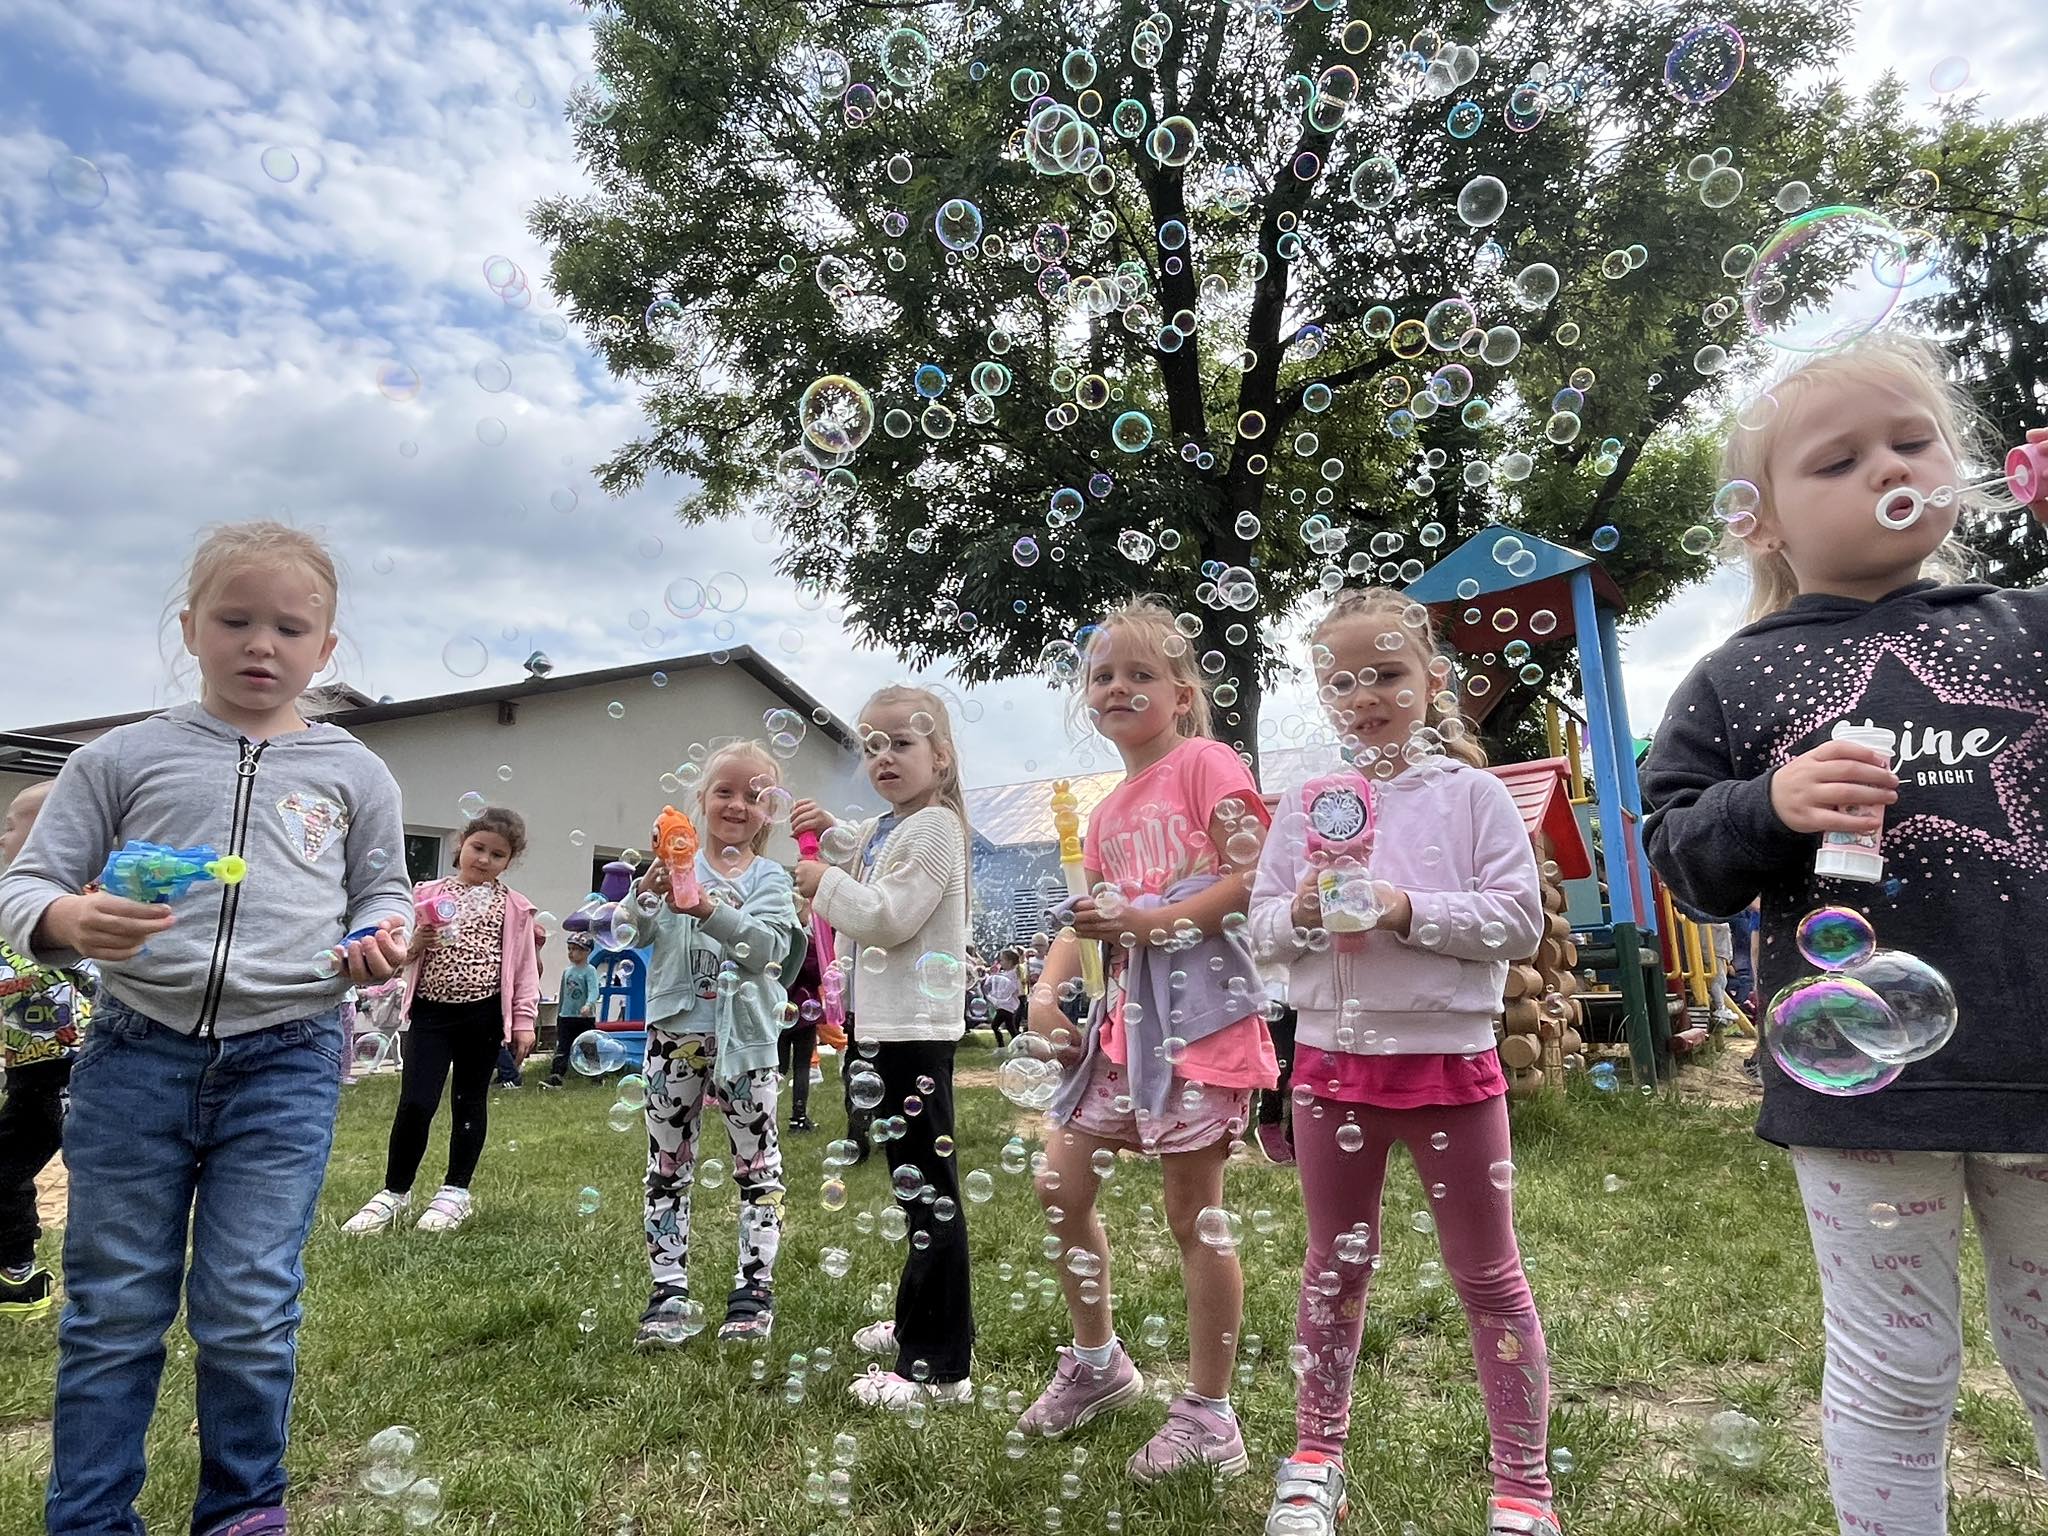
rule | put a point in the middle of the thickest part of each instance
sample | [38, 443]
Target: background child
[1173, 1054]
[1743, 781]
[798, 1042]
[202, 1103]
[714, 1010]
[1395, 1043]
[908, 919]
[576, 1008]
[474, 986]
[42, 1012]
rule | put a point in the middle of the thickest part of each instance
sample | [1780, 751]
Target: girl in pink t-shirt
[1175, 1048]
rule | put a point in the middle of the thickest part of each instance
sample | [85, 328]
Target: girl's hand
[1308, 901]
[100, 926]
[1837, 787]
[522, 1046]
[656, 879]
[1110, 923]
[699, 909]
[424, 940]
[809, 816]
[379, 957]
[1396, 910]
[1045, 1018]
[807, 875]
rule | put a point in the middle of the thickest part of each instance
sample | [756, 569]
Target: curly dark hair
[506, 823]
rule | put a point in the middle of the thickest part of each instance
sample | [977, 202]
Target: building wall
[574, 768]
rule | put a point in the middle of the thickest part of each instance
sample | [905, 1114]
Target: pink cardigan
[519, 986]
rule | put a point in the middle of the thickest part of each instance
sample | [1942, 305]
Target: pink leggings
[1476, 1232]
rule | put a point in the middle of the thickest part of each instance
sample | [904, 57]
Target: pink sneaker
[1078, 1392]
[1193, 1436]
[1274, 1142]
[1520, 1517]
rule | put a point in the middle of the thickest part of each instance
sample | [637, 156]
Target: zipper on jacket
[230, 895]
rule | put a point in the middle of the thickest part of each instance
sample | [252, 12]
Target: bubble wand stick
[2024, 477]
[1066, 821]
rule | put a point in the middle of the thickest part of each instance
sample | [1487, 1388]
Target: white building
[589, 781]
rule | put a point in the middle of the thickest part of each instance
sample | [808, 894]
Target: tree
[1303, 268]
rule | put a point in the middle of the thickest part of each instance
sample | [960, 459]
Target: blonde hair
[1152, 623]
[1910, 364]
[948, 789]
[1398, 612]
[227, 549]
[741, 751]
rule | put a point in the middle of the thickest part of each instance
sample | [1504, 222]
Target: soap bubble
[633, 1091]
[1704, 63]
[1735, 1440]
[1809, 1029]
[1919, 999]
[595, 1053]
[1218, 1229]
[1949, 74]
[465, 656]
[368, 1052]
[588, 1199]
[419, 1505]
[980, 1185]
[1825, 278]
[1834, 938]
[958, 224]
[388, 1460]
[1482, 200]
[1606, 538]
[397, 381]
[279, 163]
[78, 182]
[678, 1318]
[864, 1087]
[836, 413]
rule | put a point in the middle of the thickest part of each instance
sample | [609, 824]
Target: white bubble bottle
[1855, 855]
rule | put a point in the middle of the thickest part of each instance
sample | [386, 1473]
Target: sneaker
[1308, 1498]
[1520, 1517]
[1194, 1435]
[799, 1124]
[876, 1338]
[661, 1325]
[1276, 1141]
[27, 1297]
[749, 1316]
[885, 1389]
[447, 1210]
[382, 1210]
[1753, 1069]
[257, 1522]
[551, 1081]
[1079, 1391]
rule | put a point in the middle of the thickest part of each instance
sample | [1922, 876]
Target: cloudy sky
[284, 199]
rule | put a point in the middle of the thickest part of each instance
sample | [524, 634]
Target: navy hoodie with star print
[1960, 673]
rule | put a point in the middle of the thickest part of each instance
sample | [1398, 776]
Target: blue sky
[205, 343]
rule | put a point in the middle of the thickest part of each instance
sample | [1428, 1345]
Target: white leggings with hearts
[1887, 1233]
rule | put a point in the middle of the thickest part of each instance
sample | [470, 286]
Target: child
[1846, 625]
[473, 986]
[202, 1103]
[907, 920]
[576, 1009]
[714, 1009]
[1174, 1052]
[509, 1065]
[798, 1042]
[1394, 1043]
[42, 1012]
[1004, 990]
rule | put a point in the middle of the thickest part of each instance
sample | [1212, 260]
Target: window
[423, 856]
[1027, 914]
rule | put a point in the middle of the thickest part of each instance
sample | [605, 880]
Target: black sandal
[749, 1316]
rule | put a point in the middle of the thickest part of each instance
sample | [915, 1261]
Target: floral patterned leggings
[682, 1075]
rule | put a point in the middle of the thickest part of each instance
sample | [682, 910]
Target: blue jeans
[229, 1137]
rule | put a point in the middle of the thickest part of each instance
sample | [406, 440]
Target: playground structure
[1504, 585]
[621, 1002]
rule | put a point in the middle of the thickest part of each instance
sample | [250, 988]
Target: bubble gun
[1066, 821]
[158, 874]
[807, 845]
[434, 914]
[675, 844]
[1341, 822]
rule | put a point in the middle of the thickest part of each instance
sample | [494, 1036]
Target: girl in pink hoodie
[1395, 1040]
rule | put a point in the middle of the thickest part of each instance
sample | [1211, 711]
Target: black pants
[31, 1130]
[566, 1031]
[793, 1059]
[508, 1067]
[934, 1300]
[858, 1120]
[1273, 1102]
[458, 1038]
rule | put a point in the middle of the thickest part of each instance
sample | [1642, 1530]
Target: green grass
[1689, 1289]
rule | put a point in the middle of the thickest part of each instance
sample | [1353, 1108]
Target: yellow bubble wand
[1066, 821]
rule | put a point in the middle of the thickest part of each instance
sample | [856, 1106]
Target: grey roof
[37, 756]
[346, 707]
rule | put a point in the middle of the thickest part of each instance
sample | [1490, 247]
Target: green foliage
[746, 238]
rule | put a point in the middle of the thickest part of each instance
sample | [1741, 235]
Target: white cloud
[204, 346]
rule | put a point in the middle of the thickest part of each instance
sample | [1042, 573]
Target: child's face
[1132, 696]
[732, 806]
[1843, 445]
[902, 762]
[482, 857]
[1375, 683]
[259, 637]
[21, 815]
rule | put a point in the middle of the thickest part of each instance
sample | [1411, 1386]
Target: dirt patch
[975, 1077]
[1715, 1077]
[53, 1189]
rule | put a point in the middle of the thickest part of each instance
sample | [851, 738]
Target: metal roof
[39, 757]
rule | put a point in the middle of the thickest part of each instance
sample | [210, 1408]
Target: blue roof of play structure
[1475, 560]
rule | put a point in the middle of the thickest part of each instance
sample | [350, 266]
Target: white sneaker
[876, 1338]
[448, 1210]
[380, 1213]
[885, 1389]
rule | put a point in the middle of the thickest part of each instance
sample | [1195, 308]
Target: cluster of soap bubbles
[1866, 1013]
[391, 1476]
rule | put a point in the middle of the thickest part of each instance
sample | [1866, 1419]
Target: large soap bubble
[596, 1054]
[1919, 999]
[1812, 1029]
[1825, 278]
[1030, 1073]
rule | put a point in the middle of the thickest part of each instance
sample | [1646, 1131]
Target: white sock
[1216, 1405]
[1096, 1355]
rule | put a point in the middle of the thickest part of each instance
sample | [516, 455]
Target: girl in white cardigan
[903, 913]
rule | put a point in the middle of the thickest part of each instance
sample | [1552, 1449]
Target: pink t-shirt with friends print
[1150, 833]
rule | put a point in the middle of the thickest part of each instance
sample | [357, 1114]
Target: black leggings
[31, 1130]
[793, 1057]
[935, 1298]
[1273, 1101]
[460, 1037]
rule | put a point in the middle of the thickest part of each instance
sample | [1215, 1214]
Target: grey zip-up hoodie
[314, 812]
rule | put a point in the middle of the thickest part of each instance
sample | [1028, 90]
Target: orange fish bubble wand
[675, 844]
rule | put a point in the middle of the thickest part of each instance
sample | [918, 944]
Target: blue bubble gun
[158, 874]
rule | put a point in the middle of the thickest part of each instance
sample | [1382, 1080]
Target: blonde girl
[1850, 626]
